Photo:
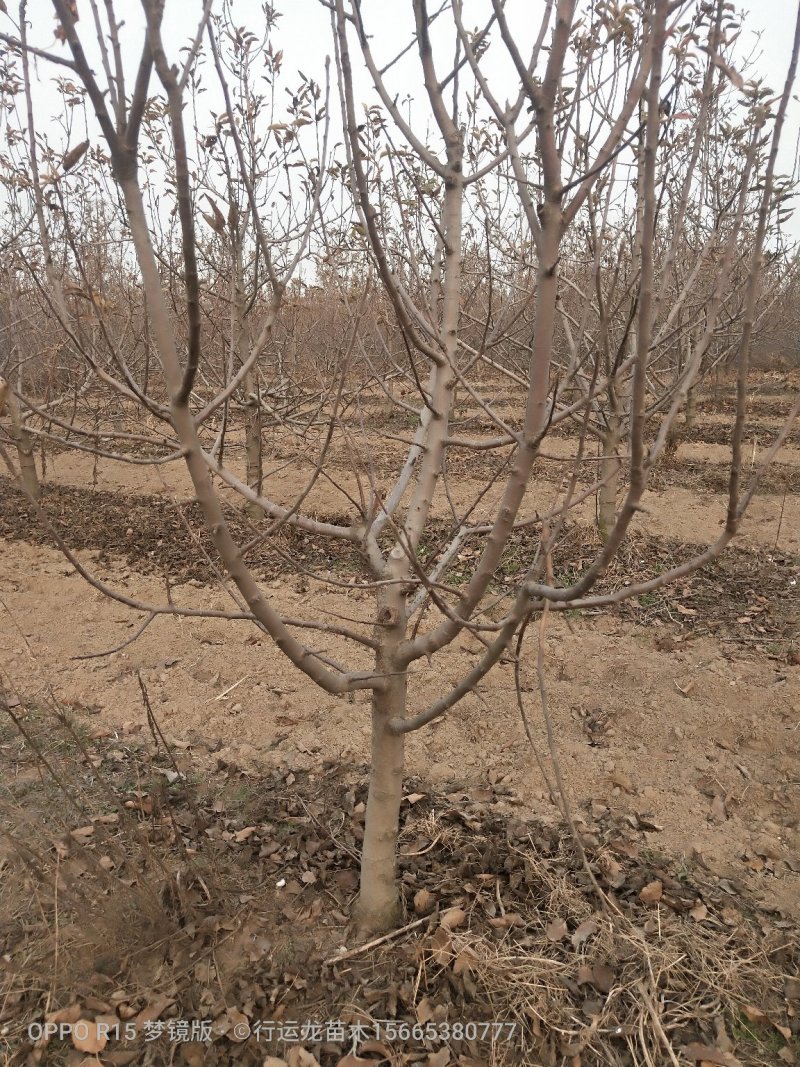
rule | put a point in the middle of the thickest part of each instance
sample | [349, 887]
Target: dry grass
[164, 898]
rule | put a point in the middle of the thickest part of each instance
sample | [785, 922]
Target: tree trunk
[691, 408]
[252, 438]
[23, 442]
[610, 466]
[254, 475]
[379, 905]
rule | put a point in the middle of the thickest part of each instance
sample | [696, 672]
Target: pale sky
[304, 35]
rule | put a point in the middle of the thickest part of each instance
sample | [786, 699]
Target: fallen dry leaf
[585, 974]
[438, 1059]
[612, 871]
[710, 1055]
[300, 1057]
[453, 918]
[107, 1019]
[379, 1047]
[699, 912]
[441, 947]
[424, 902]
[82, 833]
[425, 1010]
[603, 977]
[755, 1015]
[240, 1025]
[193, 1053]
[153, 1011]
[70, 1014]
[466, 960]
[652, 892]
[86, 1037]
[556, 930]
[95, 1004]
[586, 929]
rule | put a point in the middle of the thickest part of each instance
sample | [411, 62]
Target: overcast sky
[304, 35]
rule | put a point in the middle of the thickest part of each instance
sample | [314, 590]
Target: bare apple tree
[530, 220]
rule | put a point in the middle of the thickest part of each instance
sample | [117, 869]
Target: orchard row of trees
[587, 212]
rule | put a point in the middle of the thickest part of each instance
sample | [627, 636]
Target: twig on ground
[375, 942]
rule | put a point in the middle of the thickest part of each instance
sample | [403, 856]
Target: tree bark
[610, 466]
[254, 470]
[691, 408]
[253, 447]
[23, 442]
[611, 463]
[379, 906]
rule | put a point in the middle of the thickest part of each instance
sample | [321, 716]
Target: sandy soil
[675, 512]
[702, 738]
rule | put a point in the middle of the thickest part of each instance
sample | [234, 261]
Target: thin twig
[374, 943]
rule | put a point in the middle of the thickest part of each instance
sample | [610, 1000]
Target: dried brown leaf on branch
[74, 155]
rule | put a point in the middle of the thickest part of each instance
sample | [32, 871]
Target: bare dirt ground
[686, 500]
[677, 716]
[701, 734]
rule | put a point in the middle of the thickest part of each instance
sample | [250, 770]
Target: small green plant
[745, 1031]
[649, 600]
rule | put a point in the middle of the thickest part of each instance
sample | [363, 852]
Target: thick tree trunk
[379, 906]
[23, 442]
[379, 900]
